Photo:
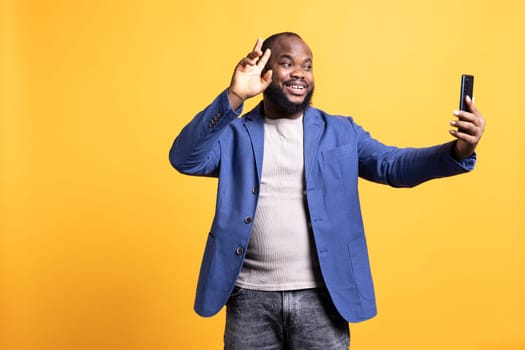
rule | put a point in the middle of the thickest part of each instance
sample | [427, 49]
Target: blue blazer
[336, 152]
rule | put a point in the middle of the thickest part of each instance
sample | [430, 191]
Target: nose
[298, 73]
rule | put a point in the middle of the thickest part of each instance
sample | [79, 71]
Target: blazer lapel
[312, 134]
[254, 125]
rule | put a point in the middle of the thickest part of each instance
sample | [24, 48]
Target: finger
[264, 59]
[476, 119]
[470, 104]
[470, 139]
[258, 45]
[464, 115]
[247, 61]
[465, 127]
[256, 51]
[266, 79]
[254, 55]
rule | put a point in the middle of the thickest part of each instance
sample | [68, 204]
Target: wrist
[235, 99]
[461, 151]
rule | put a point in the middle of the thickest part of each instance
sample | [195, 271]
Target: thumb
[266, 79]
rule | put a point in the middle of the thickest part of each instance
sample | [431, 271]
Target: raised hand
[247, 81]
[470, 128]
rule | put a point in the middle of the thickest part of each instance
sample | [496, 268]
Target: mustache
[296, 81]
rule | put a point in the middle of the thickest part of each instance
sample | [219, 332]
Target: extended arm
[407, 167]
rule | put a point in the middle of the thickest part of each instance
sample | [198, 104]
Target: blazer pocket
[338, 152]
[341, 164]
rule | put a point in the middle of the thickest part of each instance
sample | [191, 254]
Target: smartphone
[467, 89]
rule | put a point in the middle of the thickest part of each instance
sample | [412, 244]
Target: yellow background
[101, 240]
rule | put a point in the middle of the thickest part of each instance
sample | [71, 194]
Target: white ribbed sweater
[281, 254]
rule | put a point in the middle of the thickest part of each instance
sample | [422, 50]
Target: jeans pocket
[236, 292]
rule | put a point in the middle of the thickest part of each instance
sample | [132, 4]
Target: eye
[286, 64]
[308, 67]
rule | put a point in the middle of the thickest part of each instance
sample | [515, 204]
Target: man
[286, 251]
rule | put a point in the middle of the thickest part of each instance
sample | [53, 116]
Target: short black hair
[268, 42]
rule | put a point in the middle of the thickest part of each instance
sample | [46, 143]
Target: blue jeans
[288, 320]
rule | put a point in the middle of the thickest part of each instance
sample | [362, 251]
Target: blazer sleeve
[196, 150]
[406, 167]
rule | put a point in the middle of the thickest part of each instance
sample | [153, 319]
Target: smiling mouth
[296, 88]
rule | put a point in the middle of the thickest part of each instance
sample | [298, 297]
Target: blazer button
[239, 250]
[255, 190]
[247, 219]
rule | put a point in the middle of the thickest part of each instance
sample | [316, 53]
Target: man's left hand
[470, 127]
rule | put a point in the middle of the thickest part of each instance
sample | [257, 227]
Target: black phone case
[467, 88]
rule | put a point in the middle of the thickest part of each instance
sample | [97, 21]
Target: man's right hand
[247, 80]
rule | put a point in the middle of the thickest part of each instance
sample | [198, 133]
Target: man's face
[292, 81]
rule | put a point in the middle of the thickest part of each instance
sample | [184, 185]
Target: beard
[282, 104]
